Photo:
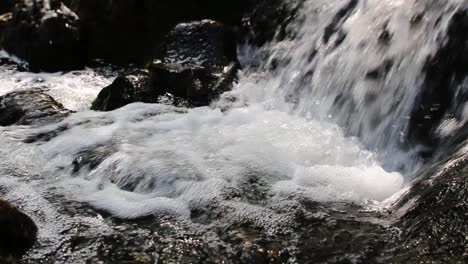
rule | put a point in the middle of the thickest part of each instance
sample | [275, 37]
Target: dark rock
[29, 108]
[445, 73]
[270, 20]
[198, 85]
[131, 31]
[206, 43]
[18, 232]
[194, 85]
[47, 35]
[198, 62]
[126, 89]
[435, 227]
[6, 6]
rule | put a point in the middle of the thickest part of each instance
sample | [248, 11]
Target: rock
[198, 85]
[445, 72]
[270, 19]
[130, 31]
[198, 61]
[435, 227]
[47, 35]
[205, 43]
[6, 6]
[18, 232]
[126, 89]
[29, 108]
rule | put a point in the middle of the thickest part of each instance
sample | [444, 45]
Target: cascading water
[357, 63]
[322, 119]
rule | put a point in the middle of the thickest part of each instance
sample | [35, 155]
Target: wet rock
[435, 228]
[198, 62]
[444, 81]
[126, 89]
[132, 30]
[206, 43]
[18, 232]
[198, 85]
[334, 239]
[47, 35]
[29, 108]
[270, 20]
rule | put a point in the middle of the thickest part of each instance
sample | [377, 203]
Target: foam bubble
[164, 159]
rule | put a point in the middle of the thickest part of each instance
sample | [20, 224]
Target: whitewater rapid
[311, 128]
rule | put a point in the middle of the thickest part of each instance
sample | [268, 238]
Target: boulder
[131, 30]
[197, 62]
[47, 35]
[18, 232]
[29, 108]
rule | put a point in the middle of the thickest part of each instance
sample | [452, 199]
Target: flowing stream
[305, 124]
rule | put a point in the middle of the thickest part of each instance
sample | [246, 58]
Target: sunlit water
[312, 129]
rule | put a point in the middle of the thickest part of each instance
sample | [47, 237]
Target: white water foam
[173, 161]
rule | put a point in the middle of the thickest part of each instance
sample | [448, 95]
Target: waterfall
[356, 63]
